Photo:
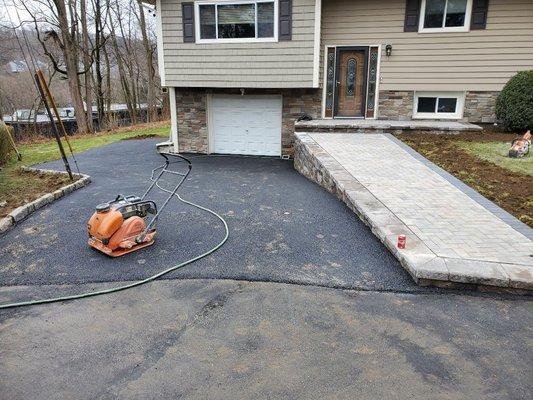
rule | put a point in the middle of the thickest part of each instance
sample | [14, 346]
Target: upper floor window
[445, 15]
[236, 21]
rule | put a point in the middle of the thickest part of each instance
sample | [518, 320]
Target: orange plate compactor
[120, 226]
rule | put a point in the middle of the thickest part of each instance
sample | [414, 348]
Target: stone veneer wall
[192, 120]
[480, 107]
[192, 114]
[393, 105]
[296, 102]
[396, 105]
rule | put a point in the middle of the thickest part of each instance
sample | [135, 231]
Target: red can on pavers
[401, 241]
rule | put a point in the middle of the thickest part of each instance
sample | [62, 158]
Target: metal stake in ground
[54, 126]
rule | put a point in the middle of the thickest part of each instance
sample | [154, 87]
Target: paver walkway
[449, 234]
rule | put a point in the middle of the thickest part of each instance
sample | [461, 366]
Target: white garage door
[245, 124]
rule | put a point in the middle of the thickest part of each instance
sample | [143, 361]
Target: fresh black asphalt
[231, 338]
[283, 228]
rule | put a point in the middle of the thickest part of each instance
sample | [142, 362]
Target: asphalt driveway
[220, 339]
[268, 331]
[283, 228]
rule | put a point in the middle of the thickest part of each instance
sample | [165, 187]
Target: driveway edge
[424, 266]
[24, 211]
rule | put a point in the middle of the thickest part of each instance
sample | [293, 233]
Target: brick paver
[453, 226]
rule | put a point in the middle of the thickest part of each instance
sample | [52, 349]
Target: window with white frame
[236, 21]
[445, 15]
[438, 105]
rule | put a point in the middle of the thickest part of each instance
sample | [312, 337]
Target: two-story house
[240, 72]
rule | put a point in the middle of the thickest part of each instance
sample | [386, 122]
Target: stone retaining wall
[19, 213]
[424, 266]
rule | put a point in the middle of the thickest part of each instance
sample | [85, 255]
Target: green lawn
[41, 152]
[496, 152]
[18, 187]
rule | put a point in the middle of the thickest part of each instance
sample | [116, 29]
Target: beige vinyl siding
[475, 60]
[239, 65]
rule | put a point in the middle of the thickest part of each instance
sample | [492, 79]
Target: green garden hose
[134, 284]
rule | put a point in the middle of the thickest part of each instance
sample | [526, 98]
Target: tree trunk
[130, 87]
[87, 66]
[107, 84]
[98, 63]
[122, 75]
[70, 55]
[150, 96]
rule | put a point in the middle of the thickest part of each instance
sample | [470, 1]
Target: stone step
[385, 126]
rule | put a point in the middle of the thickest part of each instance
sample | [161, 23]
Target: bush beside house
[514, 106]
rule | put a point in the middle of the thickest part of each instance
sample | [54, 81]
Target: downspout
[173, 119]
[173, 139]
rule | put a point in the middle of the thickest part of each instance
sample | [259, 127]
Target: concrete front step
[385, 126]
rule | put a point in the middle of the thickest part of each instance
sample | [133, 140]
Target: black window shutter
[285, 20]
[412, 15]
[480, 9]
[187, 16]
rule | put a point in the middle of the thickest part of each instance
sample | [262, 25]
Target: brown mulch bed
[30, 186]
[512, 191]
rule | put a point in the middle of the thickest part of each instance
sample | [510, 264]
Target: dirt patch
[20, 187]
[512, 191]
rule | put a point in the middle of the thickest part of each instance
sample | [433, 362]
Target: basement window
[239, 21]
[445, 15]
[438, 105]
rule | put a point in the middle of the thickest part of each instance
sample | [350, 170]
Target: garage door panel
[246, 124]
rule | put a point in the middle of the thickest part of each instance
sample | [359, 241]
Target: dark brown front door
[351, 82]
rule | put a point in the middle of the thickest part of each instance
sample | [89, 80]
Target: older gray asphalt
[216, 339]
[284, 228]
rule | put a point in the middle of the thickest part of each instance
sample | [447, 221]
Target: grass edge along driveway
[18, 187]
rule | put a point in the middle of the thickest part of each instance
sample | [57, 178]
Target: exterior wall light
[388, 50]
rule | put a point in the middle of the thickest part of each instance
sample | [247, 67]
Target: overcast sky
[10, 13]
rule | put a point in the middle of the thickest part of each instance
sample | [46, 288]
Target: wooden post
[12, 141]
[54, 126]
[54, 107]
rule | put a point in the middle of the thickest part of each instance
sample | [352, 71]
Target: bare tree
[125, 69]
[59, 19]
[89, 44]
[87, 64]
[150, 71]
